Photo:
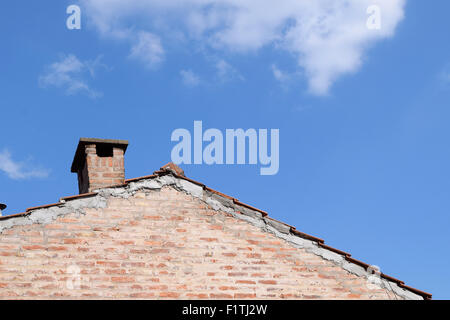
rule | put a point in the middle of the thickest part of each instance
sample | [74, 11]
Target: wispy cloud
[279, 75]
[20, 170]
[148, 49]
[189, 78]
[328, 38]
[226, 72]
[71, 74]
[444, 76]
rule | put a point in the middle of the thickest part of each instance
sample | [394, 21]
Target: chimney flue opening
[104, 151]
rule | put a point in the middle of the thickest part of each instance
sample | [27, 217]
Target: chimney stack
[2, 207]
[99, 163]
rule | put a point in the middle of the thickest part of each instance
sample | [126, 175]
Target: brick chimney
[2, 207]
[99, 163]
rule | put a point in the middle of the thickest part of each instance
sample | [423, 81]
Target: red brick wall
[164, 244]
[104, 171]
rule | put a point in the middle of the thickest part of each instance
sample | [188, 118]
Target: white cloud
[226, 72]
[148, 49]
[444, 75]
[279, 75]
[189, 78]
[328, 37]
[69, 73]
[19, 170]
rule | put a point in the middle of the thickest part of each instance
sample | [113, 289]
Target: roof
[79, 154]
[172, 169]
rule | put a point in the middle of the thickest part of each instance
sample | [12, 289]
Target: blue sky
[363, 114]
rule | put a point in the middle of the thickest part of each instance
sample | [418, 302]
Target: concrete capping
[401, 292]
[281, 227]
[45, 215]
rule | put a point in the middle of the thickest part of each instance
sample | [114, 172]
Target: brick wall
[164, 244]
[103, 171]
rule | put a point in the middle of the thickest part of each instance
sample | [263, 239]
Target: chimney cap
[79, 154]
[2, 206]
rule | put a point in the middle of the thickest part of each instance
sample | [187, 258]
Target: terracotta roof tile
[219, 193]
[399, 282]
[45, 206]
[116, 186]
[426, 295]
[270, 218]
[250, 207]
[193, 181]
[321, 244]
[174, 168]
[14, 215]
[141, 178]
[360, 263]
[306, 236]
[79, 196]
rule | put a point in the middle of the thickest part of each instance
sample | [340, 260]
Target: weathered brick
[164, 244]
